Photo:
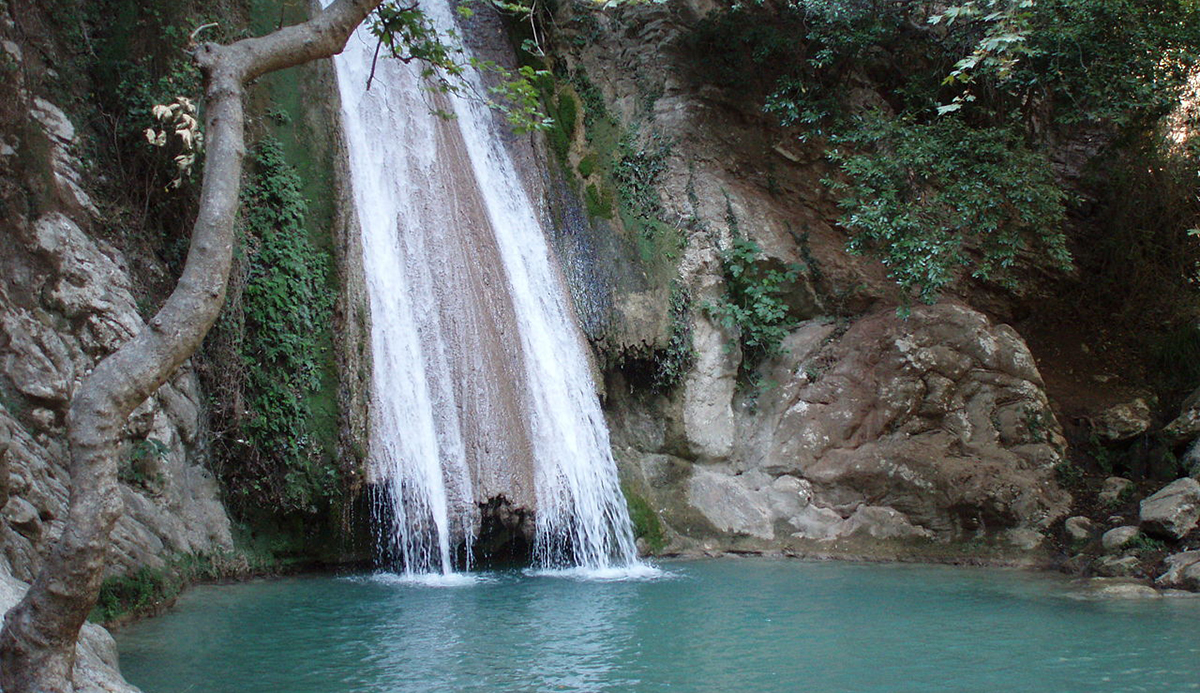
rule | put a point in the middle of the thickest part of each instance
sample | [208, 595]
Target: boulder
[1079, 528]
[1183, 571]
[942, 418]
[1117, 538]
[1113, 489]
[1124, 421]
[1118, 566]
[1173, 511]
[1120, 588]
[1186, 426]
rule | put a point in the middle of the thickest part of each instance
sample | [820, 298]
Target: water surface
[730, 625]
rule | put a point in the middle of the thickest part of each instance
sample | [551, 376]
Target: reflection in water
[717, 625]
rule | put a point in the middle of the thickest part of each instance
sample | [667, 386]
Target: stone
[1115, 539]
[1118, 566]
[1024, 538]
[729, 505]
[882, 523]
[1124, 421]
[21, 514]
[708, 394]
[1183, 571]
[1079, 528]
[944, 415]
[1186, 426]
[1113, 489]
[1173, 511]
[1120, 588]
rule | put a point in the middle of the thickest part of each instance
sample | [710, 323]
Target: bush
[920, 195]
[753, 304]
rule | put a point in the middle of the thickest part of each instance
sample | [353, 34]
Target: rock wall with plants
[247, 459]
[873, 278]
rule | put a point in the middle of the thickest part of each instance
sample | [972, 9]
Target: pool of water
[727, 625]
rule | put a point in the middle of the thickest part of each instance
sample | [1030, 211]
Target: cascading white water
[456, 392]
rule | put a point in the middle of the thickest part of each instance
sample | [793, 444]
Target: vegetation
[286, 311]
[753, 305]
[646, 525]
[951, 170]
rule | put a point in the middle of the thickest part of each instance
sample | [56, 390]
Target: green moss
[599, 202]
[587, 165]
[646, 525]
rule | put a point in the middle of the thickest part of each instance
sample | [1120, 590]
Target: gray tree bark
[37, 645]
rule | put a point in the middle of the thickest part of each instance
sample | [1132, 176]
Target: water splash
[462, 404]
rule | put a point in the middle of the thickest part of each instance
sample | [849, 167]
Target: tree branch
[37, 645]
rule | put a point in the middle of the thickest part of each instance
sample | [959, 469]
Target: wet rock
[1183, 571]
[1124, 421]
[1079, 528]
[1117, 538]
[1173, 511]
[1120, 588]
[1114, 489]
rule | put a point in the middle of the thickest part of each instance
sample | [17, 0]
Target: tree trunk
[37, 645]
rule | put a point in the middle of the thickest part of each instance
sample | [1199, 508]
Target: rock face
[1173, 511]
[870, 430]
[935, 427]
[66, 301]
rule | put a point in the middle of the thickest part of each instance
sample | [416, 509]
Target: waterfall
[482, 385]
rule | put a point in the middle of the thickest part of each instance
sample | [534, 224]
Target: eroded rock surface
[930, 428]
[66, 301]
[1173, 511]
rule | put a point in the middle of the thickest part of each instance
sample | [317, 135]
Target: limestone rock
[1116, 538]
[708, 394]
[1079, 528]
[1183, 571]
[941, 417]
[1113, 489]
[1173, 511]
[1024, 538]
[1124, 421]
[729, 505]
[1120, 588]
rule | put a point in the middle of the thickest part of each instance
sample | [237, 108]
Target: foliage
[672, 363]
[566, 114]
[137, 469]
[753, 304]
[929, 194]
[1176, 356]
[921, 195]
[410, 35]
[287, 306]
[148, 590]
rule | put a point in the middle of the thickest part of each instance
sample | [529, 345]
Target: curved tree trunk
[37, 645]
